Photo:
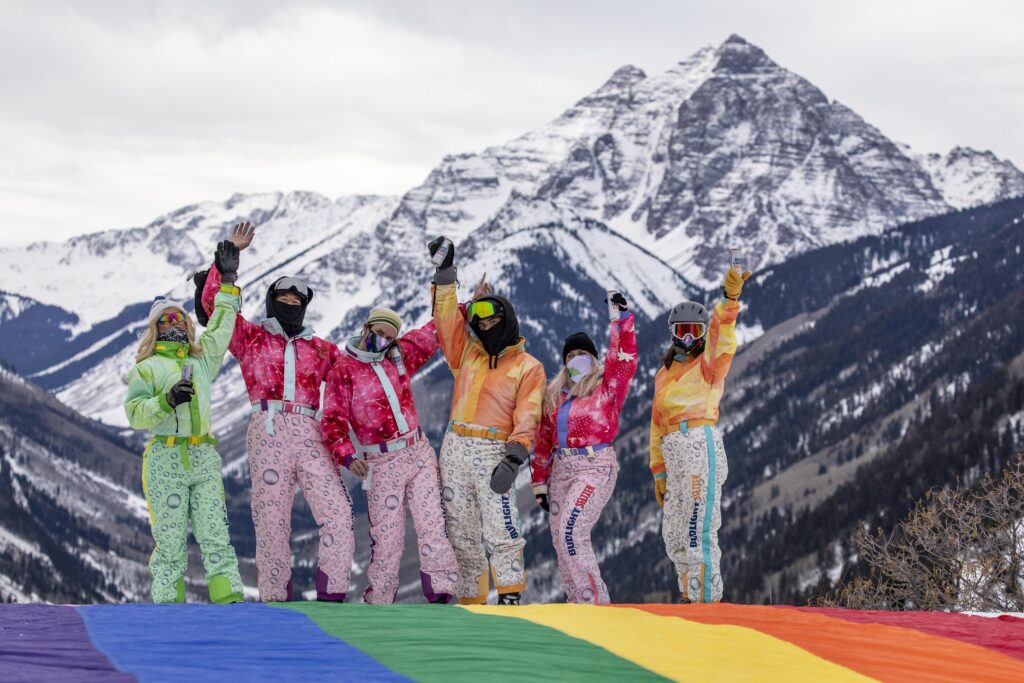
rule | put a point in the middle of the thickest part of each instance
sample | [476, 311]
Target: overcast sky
[112, 113]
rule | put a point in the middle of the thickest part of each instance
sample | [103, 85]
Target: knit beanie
[386, 316]
[161, 304]
[578, 341]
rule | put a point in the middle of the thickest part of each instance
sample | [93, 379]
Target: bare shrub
[956, 550]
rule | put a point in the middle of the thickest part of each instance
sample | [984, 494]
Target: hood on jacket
[501, 336]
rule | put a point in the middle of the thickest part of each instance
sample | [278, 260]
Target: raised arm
[721, 344]
[621, 361]
[418, 346]
[449, 321]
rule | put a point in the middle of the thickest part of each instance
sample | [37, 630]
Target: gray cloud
[114, 112]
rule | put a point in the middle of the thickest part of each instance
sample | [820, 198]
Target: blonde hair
[148, 339]
[584, 387]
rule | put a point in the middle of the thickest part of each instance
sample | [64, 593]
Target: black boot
[509, 599]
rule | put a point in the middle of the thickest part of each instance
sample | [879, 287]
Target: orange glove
[660, 486]
[734, 283]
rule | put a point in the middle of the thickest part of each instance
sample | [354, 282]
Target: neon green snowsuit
[180, 467]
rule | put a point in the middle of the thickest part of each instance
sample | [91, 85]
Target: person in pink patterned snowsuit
[368, 408]
[574, 466]
[283, 365]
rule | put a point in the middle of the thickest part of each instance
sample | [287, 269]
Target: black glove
[619, 301]
[434, 245]
[226, 260]
[542, 500]
[504, 474]
[181, 392]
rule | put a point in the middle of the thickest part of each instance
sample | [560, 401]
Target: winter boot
[509, 599]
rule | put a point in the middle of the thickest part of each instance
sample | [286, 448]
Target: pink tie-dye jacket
[358, 399]
[260, 351]
[593, 419]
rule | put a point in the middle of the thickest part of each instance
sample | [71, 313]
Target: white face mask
[579, 367]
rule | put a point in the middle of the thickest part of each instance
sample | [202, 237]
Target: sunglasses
[695, 330]
[170, 318]
[288, 283]
[484, 309]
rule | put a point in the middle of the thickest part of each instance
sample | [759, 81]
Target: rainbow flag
[308, 641]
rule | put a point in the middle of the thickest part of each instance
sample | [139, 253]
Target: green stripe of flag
[442, 643]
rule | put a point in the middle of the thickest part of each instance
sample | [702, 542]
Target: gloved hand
[504, 474]
[734, 283]
[542, 500]
[181, 392]
[226, 260]
[619, 301]
[449, 260]
[660, 486]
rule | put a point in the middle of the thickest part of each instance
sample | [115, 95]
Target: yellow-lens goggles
[482, 309]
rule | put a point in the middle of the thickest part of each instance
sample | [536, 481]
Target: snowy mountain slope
[968, 178]
[888, 365]
[72, 523]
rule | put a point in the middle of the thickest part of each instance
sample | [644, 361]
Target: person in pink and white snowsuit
[283, 365]
[574, 466]
[368, 408]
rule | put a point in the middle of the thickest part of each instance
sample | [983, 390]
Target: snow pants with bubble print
[696, 467]
[178, 495]
[579, 489]
[480, 521]
[295, 455]
[407, 477]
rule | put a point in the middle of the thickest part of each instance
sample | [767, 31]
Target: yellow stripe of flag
[680, 649]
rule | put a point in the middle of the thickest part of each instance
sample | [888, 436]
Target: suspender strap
[562, 423]
[389, 391]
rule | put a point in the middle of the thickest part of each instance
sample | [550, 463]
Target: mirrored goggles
[288, 283]
[484, 309]
[694, 330]
[170, 318]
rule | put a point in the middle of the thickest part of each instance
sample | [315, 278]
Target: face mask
[376, 343]
[175, 335]
[695, 347]
[290, 316]
[579, 367]
[491, 339]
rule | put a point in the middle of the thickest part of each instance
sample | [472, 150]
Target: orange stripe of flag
[888, 653]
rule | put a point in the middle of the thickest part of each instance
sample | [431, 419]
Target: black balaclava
[290, 316]
[694, 350]
[503, 335]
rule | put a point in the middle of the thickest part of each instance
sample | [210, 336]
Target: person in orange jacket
[687, 455]
[496, 408]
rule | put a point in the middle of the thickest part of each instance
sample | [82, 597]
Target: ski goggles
[693, 330]
[292, 283]
[484, 309]
[170, 318]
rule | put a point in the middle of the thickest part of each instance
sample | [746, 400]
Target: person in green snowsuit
[180, 466]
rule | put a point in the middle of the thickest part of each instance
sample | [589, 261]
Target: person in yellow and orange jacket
[496, 408]
[687, 455]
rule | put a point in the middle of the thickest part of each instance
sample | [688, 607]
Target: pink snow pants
[408, 477]
[295, 455]
[579, 488]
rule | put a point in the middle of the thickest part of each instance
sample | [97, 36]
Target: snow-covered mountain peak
[968, 177]
[737, 56]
